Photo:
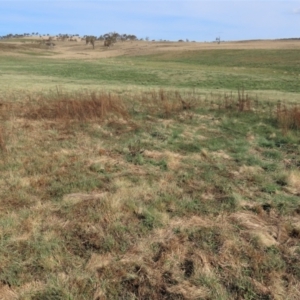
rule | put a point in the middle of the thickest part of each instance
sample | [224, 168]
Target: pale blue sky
[166, 19]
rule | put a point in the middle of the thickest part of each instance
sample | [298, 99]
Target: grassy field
[271, 70]
[171, 175]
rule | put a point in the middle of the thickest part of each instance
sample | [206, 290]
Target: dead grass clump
[162, 269]
[288, 118]
[7, 293]
[2, 139]
[78, 107]
[241, 102]
[167, 267]
[244, 102]
[255, 226]
[237, 102]
[167, 103]
[293, 182]
[120, 126]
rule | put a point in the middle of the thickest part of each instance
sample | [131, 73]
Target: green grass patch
[275, 70]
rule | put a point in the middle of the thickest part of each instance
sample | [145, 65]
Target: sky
[196, 20]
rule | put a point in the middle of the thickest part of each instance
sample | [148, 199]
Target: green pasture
[253, 70]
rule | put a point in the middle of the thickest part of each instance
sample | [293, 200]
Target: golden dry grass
[80, 107]
[79, 50]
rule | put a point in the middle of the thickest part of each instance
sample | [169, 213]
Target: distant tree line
[111, 36]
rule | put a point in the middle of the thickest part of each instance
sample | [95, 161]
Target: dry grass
[78, 107]
[146, 194]
[167, 103]
[293, 182]
[2, 139]
[155, 195]
[288, 117]
[73, 50]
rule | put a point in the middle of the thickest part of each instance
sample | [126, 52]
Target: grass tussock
[77, 107]
[198, 199]
[2, 139]
[166, 103]
[288, 118]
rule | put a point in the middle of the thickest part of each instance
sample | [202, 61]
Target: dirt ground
[79, 50]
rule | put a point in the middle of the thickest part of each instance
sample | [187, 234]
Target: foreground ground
[144, 189]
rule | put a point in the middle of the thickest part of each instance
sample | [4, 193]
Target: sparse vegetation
[152, 193]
